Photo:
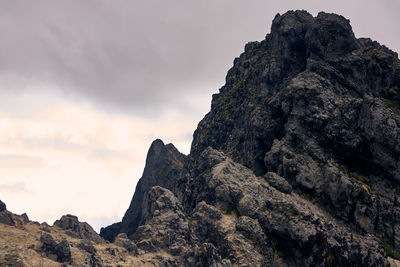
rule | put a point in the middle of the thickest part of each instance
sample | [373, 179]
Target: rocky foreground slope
[296, 164]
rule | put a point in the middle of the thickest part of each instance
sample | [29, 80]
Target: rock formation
[297, 163]
[78, 229]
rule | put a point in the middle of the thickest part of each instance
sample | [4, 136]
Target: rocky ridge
[26, 243]
[296, 164]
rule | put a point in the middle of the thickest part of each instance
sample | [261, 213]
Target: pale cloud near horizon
[68, 158]
[15, 188]
[86, 86]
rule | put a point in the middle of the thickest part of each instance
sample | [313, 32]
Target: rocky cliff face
[320, 108]
[296, 163]
[164, 167]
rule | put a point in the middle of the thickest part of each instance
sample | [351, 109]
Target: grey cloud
[146, 55]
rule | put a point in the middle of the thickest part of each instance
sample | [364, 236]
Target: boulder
[122, 240]
[78, 229]
[6, 218]
[3, 206]
[56, 251]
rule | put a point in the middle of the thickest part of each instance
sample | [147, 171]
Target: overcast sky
[85, 86]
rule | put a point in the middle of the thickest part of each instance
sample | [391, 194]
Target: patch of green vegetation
[206, 172]
[390, 250]
[392, 105]
[224, 100]
[206, 133]
[329, 260]
[180, 163]
[376, 52]
[240, 83]
[358, 177]
[384, 91]
[361, 180]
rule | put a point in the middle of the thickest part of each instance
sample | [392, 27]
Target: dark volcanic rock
[301, 231]
[165, 225]
[87, 246]
[321, 109]
[3, 206]
[122, 240]
[25, 218]
[278, 182]
[164, 167]
[63, 251]
[6, 218]
[60, 252]
[95, 261]
[48, 242]
[296, 164]
[78, 229]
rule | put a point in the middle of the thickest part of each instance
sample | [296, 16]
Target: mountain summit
[296, 164]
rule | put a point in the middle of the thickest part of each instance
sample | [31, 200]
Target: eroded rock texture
[297, 163]
[78, 229]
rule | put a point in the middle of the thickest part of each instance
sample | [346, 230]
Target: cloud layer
[145, 55]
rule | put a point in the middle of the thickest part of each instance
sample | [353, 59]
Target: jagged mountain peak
[308, 118]
[296, 164]
[252, 107]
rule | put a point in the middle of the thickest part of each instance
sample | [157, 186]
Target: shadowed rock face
[60, 252]
[297, 163]
[164, 167]
[78, 229]
[5, 216]
[3, 206]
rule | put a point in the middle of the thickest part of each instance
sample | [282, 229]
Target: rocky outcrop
[316, 106]
[296, 164]
[77, 229]
[56, 251]
[164, 167]
[3, 206]
[301, 233]
[308, 81]
[122, 240]
[5, 215]
[27, 243]
[6, 218]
